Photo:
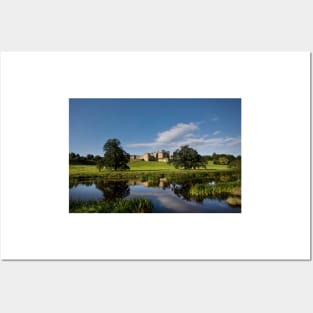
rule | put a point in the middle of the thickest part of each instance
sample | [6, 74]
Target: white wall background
[274, 88]
[156, 286]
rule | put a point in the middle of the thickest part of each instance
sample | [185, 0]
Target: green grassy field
[155, 166]
[137, 167]
[150, 166]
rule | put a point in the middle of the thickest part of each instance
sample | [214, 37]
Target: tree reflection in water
[181, 190]
[179, 185]
[113, 189]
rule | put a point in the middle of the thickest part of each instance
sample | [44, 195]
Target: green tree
[222, 160]
[114, 156]
[100, 164]
[97, 158]
[72, 155]
[187, 158]
[236, 164]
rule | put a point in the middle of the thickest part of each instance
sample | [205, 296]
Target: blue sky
[147, 125]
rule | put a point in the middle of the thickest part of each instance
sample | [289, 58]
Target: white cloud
[185, 134]
[169, 138]
[212, 142]
[176, 133]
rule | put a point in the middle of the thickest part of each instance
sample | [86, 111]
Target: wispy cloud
[216, 132]
[176, 133]
[168, 138]
[186, 134]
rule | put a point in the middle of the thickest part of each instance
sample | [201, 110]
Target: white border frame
[275, 93]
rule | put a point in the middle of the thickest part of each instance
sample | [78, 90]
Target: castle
[160, 156]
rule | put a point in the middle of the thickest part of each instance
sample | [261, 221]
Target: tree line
[224, 159]
[89, 159]
[116, 158]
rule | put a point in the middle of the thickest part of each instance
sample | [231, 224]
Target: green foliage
[153, 180]
[134, 205]
[207, 158]
[114, 156]
[201, 191]
[187, 158]
[77, 159]
[235, 164]
[222, 159]
[100, 164]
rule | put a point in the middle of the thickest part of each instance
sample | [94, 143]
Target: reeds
[134, 205]
[201, 191]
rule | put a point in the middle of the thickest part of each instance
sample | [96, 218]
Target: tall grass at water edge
[201, 191]
[134, 205]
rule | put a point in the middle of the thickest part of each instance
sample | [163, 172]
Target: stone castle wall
[160, 156]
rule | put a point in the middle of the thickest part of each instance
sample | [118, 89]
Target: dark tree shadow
[112, 190]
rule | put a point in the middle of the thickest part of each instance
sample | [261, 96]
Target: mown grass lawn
[137, 167]
[150, 166]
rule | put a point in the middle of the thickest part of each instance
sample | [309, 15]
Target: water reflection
[160, 182]
[181, 190]
[112, 190]
[168, 194]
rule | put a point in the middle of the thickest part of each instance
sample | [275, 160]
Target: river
[166, 196]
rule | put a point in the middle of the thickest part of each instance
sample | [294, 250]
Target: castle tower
[146, 157]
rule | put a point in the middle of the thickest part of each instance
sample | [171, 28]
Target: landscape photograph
[155, 155]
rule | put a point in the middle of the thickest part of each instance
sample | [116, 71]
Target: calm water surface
[166, 197]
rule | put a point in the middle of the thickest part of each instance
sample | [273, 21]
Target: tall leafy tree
[114, 156]
[187, 158]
